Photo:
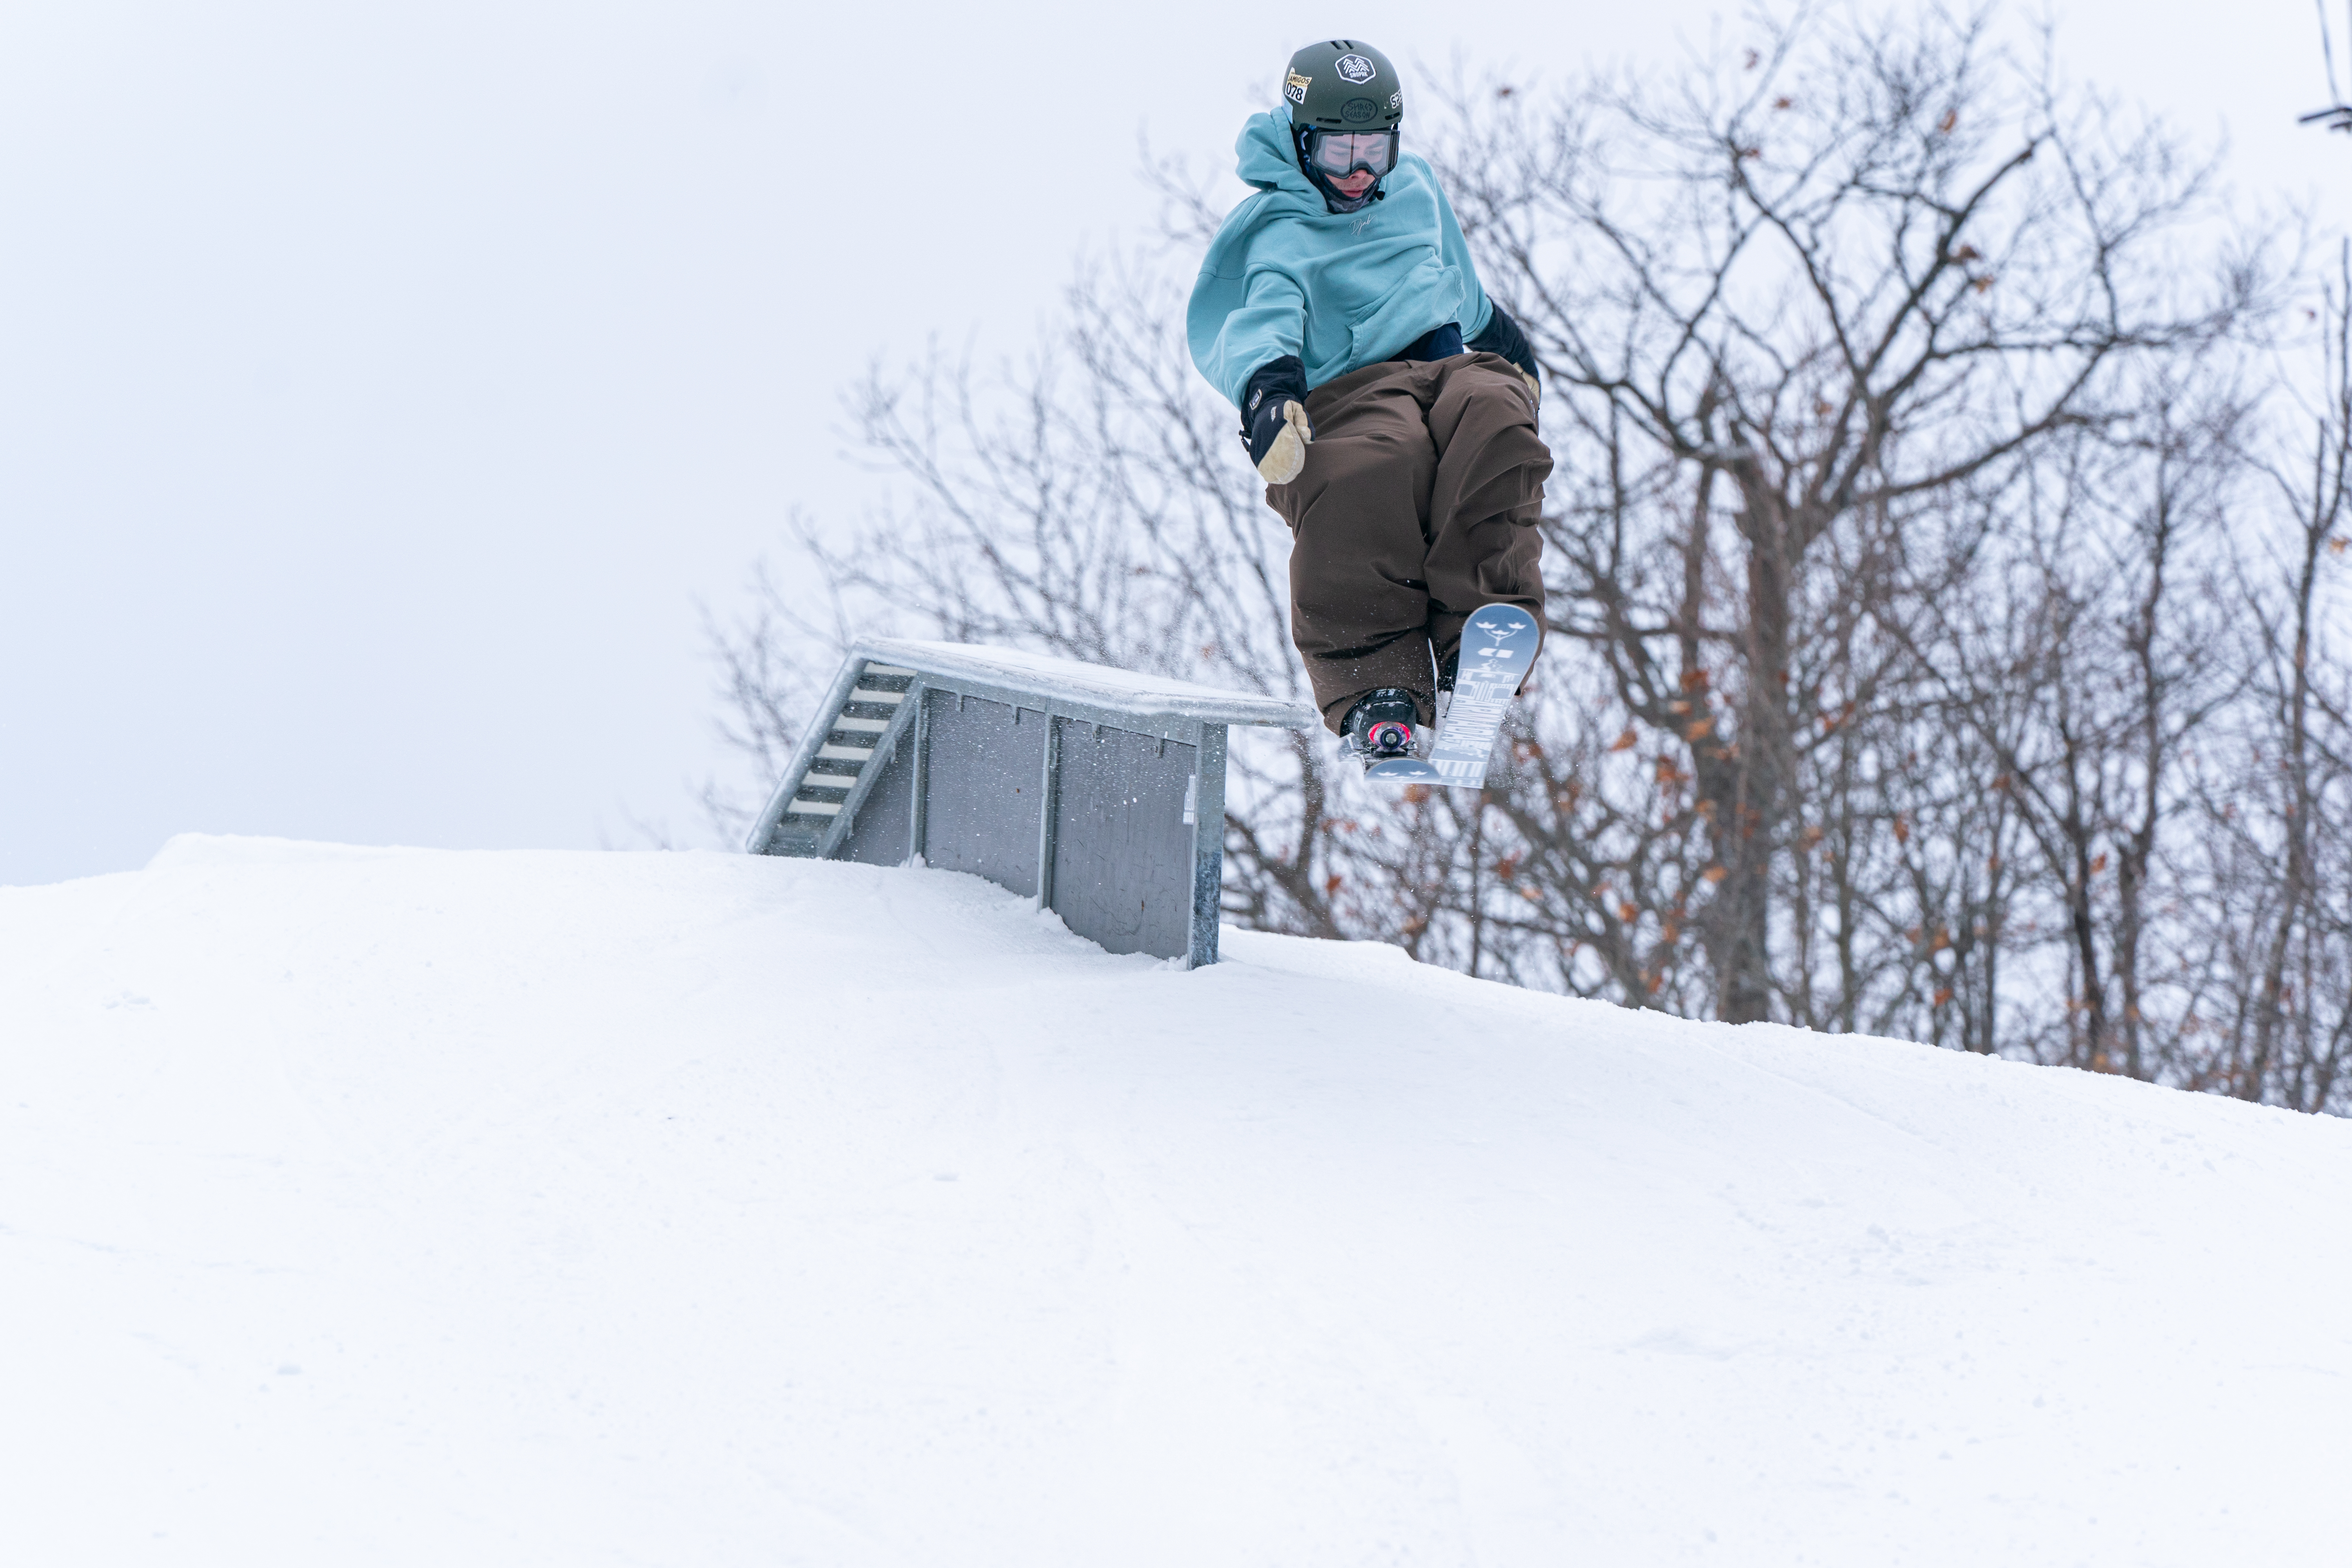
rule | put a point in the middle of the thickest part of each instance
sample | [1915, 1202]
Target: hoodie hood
[1263, 157]
[1266, 156]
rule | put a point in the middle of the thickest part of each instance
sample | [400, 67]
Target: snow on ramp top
[1123, 690]
[186, 849]
[528, 1207]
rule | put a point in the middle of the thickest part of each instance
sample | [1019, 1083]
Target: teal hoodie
[1341, 290]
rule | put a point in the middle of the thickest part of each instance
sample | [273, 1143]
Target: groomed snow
[368, 1206]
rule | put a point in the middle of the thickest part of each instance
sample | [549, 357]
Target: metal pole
[1208, 844]
[919, 819]
[1047, 792]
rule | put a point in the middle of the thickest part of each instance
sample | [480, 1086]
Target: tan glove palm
[1288, 454]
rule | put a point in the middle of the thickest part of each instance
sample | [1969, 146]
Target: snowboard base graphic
[1498, 645]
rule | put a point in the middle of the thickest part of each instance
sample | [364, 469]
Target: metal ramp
[1097, 792]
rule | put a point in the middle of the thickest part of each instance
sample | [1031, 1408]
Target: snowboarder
[1388, 403]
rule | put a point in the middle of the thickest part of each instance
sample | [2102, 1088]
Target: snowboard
[1498, 645]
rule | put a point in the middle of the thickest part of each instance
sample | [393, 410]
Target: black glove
[1273, 419]
[1503, 337]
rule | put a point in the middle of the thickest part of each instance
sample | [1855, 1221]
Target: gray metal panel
[1174, 726]
[883, 833]
[1122, 871]
[982, 811]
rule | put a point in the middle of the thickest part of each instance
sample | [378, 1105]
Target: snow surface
[1126, 689]
[379, 1206]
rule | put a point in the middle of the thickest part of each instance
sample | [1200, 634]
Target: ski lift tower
[2336, 116]
[1097, 792]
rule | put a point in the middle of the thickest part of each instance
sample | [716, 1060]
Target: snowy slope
[364, 1206]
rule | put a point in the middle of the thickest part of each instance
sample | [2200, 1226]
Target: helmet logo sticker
[1358, 110]
[1396, 101]
[1356, 69]
[1295, 88]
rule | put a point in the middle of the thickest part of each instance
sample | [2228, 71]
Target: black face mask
[1326, 157]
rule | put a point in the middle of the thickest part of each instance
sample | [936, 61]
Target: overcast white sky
[381, 384]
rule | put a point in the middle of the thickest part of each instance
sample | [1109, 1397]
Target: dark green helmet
[1346, 103]
[1342, 85]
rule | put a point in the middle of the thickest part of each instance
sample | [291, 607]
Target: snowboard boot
[1383, 724]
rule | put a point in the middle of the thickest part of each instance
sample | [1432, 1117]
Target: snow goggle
[1338, 153]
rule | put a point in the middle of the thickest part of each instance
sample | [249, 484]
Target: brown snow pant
[1417, 505]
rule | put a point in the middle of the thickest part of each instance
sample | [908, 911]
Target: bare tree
[2275, 909]
[1810, 320]
[2087, 678]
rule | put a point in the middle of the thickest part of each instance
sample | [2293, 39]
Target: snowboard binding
[1382, 726]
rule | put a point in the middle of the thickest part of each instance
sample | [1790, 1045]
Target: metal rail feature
[1097, 792]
